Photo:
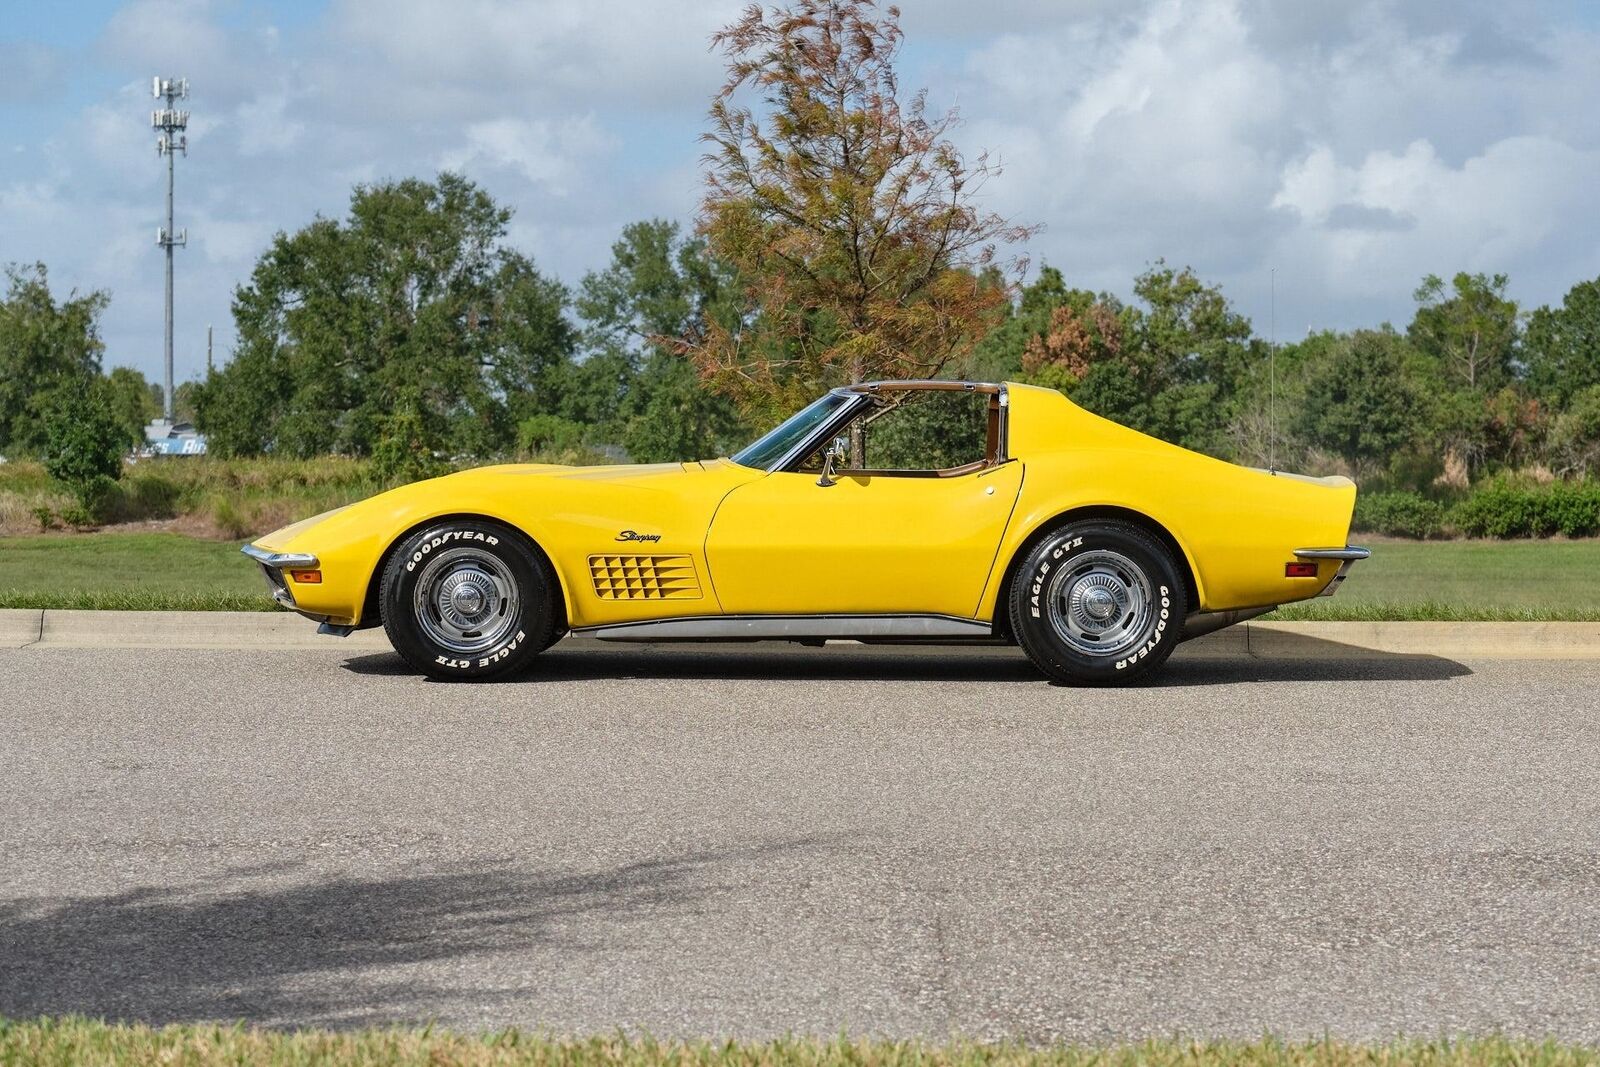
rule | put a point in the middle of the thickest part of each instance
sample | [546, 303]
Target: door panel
[869, 543]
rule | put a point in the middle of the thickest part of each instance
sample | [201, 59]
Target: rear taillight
[1299, 570]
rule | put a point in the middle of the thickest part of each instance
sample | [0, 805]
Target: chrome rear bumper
[1350, 554]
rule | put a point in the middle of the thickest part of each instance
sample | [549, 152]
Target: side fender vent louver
[644, 578]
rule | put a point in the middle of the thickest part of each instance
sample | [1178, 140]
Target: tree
[1185, 355]
[408, 322]
[84, 445]
[1469, 330]
[1575, 435]
[1055, 335]
[132, 402]
[846, 212]
[1176, 364]
[1358, 402]
[183, 394]
[1076, 338]
[45, 347]
[1563, 345]
[1188, 333]
[656, 288]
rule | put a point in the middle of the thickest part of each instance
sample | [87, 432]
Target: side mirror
[832, 459]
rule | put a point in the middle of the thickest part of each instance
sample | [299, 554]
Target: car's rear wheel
[1097, 602]
[468, 599]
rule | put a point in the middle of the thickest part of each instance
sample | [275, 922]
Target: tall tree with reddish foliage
[847, 212]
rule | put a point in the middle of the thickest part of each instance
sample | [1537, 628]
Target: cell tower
[172, 123]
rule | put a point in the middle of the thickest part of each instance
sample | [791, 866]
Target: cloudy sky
[1353, 146]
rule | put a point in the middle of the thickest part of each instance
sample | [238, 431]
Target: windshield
[774, 446]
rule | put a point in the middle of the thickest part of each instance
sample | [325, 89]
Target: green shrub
[1573, 508]
[1496, 511]
[1399, 514]
[1414, 467]
[545, 434]
[144, 494]
[225, 514]
[84, 445]
[78, 516]
[1503, 510]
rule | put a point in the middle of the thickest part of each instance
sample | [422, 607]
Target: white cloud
[551, 155]
[1358, 146]
[264, 125]
[1510, 204]
[648, 54]
[1352, 146]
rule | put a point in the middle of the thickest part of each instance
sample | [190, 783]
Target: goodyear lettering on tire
[1155, 635]
[427, 547]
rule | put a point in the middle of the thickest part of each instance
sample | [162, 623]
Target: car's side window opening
[919, 432]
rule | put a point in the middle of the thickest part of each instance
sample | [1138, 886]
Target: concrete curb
[1272, 640]
[189, 629]
[1473, 640]
[20, 626]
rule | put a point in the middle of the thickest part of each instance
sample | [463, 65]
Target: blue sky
[1351, 146]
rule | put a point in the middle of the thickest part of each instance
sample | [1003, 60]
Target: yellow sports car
[927, 511]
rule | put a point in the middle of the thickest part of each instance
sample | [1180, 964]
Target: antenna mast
[172, 123]
[1272, 372]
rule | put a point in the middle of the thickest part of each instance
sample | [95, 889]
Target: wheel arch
[371, 604]
[1043, 529]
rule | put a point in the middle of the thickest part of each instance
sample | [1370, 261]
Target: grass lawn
[141, 571]
[1500, 580]
[75, 1041]
[1448, 580]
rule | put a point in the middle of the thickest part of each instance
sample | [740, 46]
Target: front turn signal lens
[1299, 570]
[306, 577]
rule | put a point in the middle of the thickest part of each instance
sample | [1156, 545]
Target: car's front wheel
[468, 599]
[1097, 602]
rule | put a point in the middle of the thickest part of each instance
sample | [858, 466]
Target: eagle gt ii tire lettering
[468, 599]
[1098, 602]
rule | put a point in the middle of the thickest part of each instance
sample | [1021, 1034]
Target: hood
[642, 475]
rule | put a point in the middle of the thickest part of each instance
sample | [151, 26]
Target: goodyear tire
[1098, 602]
[466, 599]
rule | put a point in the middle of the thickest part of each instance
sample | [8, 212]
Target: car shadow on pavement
[1314, 659]
[1339, 665]
[282, 949]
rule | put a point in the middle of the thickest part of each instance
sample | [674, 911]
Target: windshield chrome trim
[952, 385]
[808, 444]
[865, 393]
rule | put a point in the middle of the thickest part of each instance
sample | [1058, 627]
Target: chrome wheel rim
[466, 601]
[1100, 603]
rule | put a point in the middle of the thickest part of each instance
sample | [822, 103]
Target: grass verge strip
[134, 600]
[1333, 610]
[50, 1042]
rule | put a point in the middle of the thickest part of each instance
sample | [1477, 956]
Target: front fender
[351, 542]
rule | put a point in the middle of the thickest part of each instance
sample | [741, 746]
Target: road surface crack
[38, 635]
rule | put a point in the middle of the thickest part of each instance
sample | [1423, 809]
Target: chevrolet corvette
[897, 511]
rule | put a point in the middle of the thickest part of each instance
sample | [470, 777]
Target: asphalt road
[755, 841]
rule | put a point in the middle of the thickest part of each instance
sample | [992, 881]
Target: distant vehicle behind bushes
[164, 438]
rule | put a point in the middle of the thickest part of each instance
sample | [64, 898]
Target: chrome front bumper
[273, 564]
[1350, 554]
